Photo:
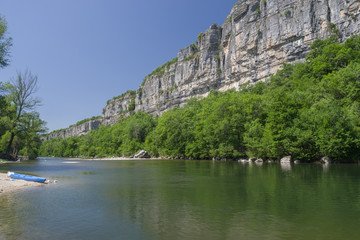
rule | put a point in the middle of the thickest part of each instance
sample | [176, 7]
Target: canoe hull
[26, 177]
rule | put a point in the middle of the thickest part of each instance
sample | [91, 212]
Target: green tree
[29, 129]
[4, 110]
[5, 44]
[21, 97]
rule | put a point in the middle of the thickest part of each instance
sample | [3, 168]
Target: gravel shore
[9, 185]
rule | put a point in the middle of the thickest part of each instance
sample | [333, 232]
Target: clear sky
[86, 52]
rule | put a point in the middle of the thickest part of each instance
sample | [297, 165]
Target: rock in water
[286, 159]
[243, 160]
[142, 154]
[325, 160]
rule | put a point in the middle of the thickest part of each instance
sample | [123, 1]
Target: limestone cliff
[75, 130]
[255, 40]
[118, 107]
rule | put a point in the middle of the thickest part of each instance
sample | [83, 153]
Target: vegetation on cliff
[131, 93]
[160, 71]
[85, 120]
[307, 110]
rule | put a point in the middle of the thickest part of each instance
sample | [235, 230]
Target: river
[177, 199]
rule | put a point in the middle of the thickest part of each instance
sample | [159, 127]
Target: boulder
[286, 159]
[142, 154]
[259, 161]
[243, 160]
[325, 160]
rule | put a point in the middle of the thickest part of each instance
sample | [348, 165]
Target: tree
[4, 109]
[21, 94]
[30, 127]
[5, 44]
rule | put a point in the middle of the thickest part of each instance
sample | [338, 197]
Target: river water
[176, 199]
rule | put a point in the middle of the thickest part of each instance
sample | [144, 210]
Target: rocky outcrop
[255, 40]
[118, 107]
[76, 130]
[253, 43]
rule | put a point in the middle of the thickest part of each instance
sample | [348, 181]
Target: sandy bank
[8, 185]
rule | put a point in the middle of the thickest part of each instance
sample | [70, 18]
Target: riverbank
[10, 185]
[104, 158]
[250, 160]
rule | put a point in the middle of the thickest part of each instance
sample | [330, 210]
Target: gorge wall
[75, 130]
[257, 37]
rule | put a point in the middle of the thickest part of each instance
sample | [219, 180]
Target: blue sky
[86, 52]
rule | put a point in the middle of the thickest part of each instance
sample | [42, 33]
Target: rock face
[117, 107]
[76, 130]
[253, 43]
[255, 40]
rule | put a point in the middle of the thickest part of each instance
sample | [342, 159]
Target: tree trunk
[8, 150]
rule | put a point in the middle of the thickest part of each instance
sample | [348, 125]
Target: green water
[156, 199]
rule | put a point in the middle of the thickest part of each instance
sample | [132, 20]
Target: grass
[173, 87]
[86, 120]
[160, 71]
[131, 92]
[287, 13]
[200, 36]
[188, 58]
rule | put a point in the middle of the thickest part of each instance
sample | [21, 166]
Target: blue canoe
[26, 177]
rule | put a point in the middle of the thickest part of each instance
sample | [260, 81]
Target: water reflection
[286, 167]
[8, 220]
[325, 166]
[186, 200]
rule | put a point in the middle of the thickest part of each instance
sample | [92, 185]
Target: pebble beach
[10, 185]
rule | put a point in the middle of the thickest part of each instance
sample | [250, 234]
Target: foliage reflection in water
[183, 200]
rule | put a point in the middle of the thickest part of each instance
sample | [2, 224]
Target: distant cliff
[257, 37]
[78, 129]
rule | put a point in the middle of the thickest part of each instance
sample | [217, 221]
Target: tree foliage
[5, 44]
[121, 139]
[20, 125]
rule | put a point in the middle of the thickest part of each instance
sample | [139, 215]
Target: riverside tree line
[20, 124]
[307, 110]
